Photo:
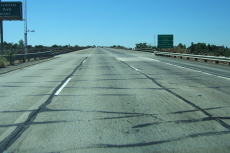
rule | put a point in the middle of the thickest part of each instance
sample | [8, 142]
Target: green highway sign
[10, 10]
[165, 41]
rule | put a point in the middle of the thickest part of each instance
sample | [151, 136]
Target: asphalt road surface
[106, 100]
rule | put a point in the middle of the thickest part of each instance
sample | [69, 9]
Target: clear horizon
[122, 22]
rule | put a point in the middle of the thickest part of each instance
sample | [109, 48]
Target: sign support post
[9, 11]
[25, 27]
[1, 35]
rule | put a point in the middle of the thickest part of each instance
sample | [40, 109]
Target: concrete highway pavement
[107, 100]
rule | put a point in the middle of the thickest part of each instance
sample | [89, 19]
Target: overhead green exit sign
[10, 10]
[165, 41]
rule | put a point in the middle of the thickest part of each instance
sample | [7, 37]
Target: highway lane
[215, 69]
[23, 91]
[118, 102]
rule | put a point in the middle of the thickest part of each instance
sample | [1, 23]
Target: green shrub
[10, 57]
[3, 62]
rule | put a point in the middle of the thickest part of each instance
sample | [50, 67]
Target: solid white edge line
[151, 59]
[63, 86]
[181, 67]
[199, 71]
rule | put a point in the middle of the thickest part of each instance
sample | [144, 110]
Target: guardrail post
[11, 58]
[24, 59]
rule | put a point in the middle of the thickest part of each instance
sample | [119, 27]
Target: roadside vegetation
[7, 55]
[19, 47]
[3, 62]
[120, 47]
[198, 49]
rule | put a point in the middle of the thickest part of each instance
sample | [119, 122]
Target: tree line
[120, 47]
[20, 45]
[199, 49]
[202, 48]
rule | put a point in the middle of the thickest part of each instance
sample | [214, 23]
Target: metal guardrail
[216, 59]
[23, 57]
[33, 55]
[144, 49]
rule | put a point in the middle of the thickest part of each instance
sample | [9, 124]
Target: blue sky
[122, 22]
